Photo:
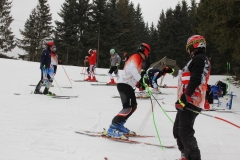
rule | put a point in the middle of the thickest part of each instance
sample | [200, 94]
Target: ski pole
[214, 117]
[165, 86]
[57, 85]
[67, 75]
[155, 126]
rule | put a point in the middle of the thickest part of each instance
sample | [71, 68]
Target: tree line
[118, 24]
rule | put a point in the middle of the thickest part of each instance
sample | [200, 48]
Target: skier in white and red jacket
[192, 86]
[127, 82]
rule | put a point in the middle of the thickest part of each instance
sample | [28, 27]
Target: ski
[122, 140]
[138, 97]
[126, 135]
[96, 74]
[50, 86]
[103, 84]
[85, 81]
[42, 85]
[159, 93]
[63, 97]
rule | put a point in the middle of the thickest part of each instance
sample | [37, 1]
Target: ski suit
[193, 83]
[126, 84]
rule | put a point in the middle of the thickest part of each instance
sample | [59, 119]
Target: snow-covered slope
[37, 127]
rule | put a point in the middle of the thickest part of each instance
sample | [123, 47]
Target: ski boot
[37, 92]
[144, 94]
[183, 157]
[125, 130]
[88, 79]
[114, 132]
[112, 82]
[46, 91]
[93, 79]
[155, 91]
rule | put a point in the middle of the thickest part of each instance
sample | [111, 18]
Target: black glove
[180, 104]
[167, 70]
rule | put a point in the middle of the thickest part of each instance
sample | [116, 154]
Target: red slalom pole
[214, 117]
[67, 75]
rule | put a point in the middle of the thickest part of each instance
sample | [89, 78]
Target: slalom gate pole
[67, 75]
[162, 109]
[214, 117]
[155, 126]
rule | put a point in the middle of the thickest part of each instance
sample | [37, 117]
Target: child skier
[92, 59]
[127, 82]
[192, 86]
[115, 60]
[47, 70]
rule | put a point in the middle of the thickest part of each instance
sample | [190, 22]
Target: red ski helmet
[90, 51]
[50, 44]
[195, 41]
[144, 48]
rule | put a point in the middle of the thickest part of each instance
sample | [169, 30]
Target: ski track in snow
[38, 127]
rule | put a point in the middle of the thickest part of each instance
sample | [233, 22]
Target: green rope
[155, 126]
[150, 93]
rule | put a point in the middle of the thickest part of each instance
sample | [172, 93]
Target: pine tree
[37, 31]
[69, 34]
[30, 33]
[7, 42]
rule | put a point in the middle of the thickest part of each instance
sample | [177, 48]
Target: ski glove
[138, 85]
[117, 64]
[180, 104]
[167, 70]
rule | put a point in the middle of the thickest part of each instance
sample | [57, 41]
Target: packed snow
[38, 127]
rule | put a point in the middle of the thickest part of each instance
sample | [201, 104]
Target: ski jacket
[92, 60]
[115, 58]
[45, 58]
[54, 59]
[194, 78]
[154, 74]
[131, 71]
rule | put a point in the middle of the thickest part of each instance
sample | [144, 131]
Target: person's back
[128, 76]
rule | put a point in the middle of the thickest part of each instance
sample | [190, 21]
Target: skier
[92, 59]
[192, 86]
[125, 58]
[47, 70]
[115, 60]
[128, 80]
[153, 74]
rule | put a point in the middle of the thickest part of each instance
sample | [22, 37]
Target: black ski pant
[129, 103]
[183, 132]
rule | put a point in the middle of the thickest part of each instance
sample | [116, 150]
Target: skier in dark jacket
[47, 70]
[192, 86]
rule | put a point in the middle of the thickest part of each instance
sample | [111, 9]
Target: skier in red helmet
[92, 59]
[47, 69]
[126, 85]
[192, 86]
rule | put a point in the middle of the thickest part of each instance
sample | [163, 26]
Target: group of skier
[192, 86]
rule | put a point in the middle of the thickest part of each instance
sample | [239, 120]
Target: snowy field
[37, 127]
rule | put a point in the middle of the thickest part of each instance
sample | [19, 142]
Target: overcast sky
[21, 9]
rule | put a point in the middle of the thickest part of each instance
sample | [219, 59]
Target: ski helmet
[144, 48]
[90, 51]
[50, 44]
[195, 41]
[112, 51]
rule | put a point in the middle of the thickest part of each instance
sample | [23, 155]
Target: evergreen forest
[118, 24]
